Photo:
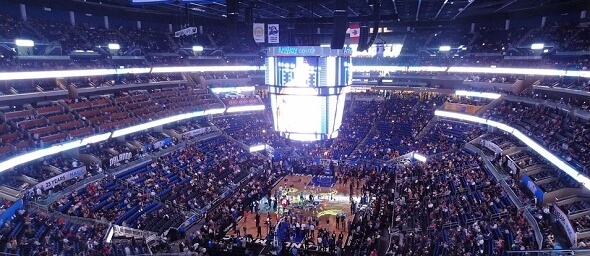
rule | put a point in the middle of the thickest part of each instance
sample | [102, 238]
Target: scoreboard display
[307, 94]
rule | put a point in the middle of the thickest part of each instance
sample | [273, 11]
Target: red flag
[354, 30]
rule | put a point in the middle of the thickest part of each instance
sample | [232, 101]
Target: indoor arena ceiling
[392, 10]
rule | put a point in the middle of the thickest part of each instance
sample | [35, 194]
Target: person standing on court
[258, 231]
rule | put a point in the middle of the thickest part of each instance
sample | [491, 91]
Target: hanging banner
[196, 132]
[59, 179]
[258, 32]
[273, 33]
[121, 157]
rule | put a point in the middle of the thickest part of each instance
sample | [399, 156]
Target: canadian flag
[354, 30]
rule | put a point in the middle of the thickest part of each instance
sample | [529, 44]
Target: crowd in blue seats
[29, 233]
[559, 131]
[251, 129]
[456, 207]
[447, 135]
[400, 119]
[162, 194]
[368, 223]
[392, 126]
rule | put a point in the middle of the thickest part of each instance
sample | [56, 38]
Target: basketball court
[330, 199]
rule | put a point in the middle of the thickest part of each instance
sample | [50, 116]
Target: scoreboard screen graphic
[307, 95]
[298, 71]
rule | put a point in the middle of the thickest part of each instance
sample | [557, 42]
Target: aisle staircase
[426, 128]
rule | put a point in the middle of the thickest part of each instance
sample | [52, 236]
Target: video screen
[300, 114]
[305, 103]
[345, 67]
[297, 71]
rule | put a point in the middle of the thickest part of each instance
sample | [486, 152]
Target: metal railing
[80, 220]
[131, 232]
[535, 225]
[526, 213]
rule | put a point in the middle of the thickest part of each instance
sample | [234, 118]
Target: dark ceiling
[322, 11]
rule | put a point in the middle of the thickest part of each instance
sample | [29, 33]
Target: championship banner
[196, 132]
[258, 32]
[59, 179]
[273, 33]
[566, 223]
[121, 157]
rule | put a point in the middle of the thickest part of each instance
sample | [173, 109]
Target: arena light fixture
[233, 89]
[500, 126]
[245, 108]
[522, 71]
[30, 156]
[444, 48]
[257, 148]
[214, 111]
[537, 46]
[152, 124]
[24, 43]
[428, 69]
[6, 76]
[198, 48]
[460, 116]
[378, 68]
[486, 95]
[419, 157]
[114, 46]
[70, 145]
[204, 69]
[96, 138]
[124, 71]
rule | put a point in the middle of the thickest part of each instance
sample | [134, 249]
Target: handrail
[519, 205]
[121, 230]
[81, 220]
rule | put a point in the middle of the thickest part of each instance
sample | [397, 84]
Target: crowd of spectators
[37, 233]
[453, 206]
[400, 118]
[252, 129]
[448, 206]
[559, 131]
[165, 192]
